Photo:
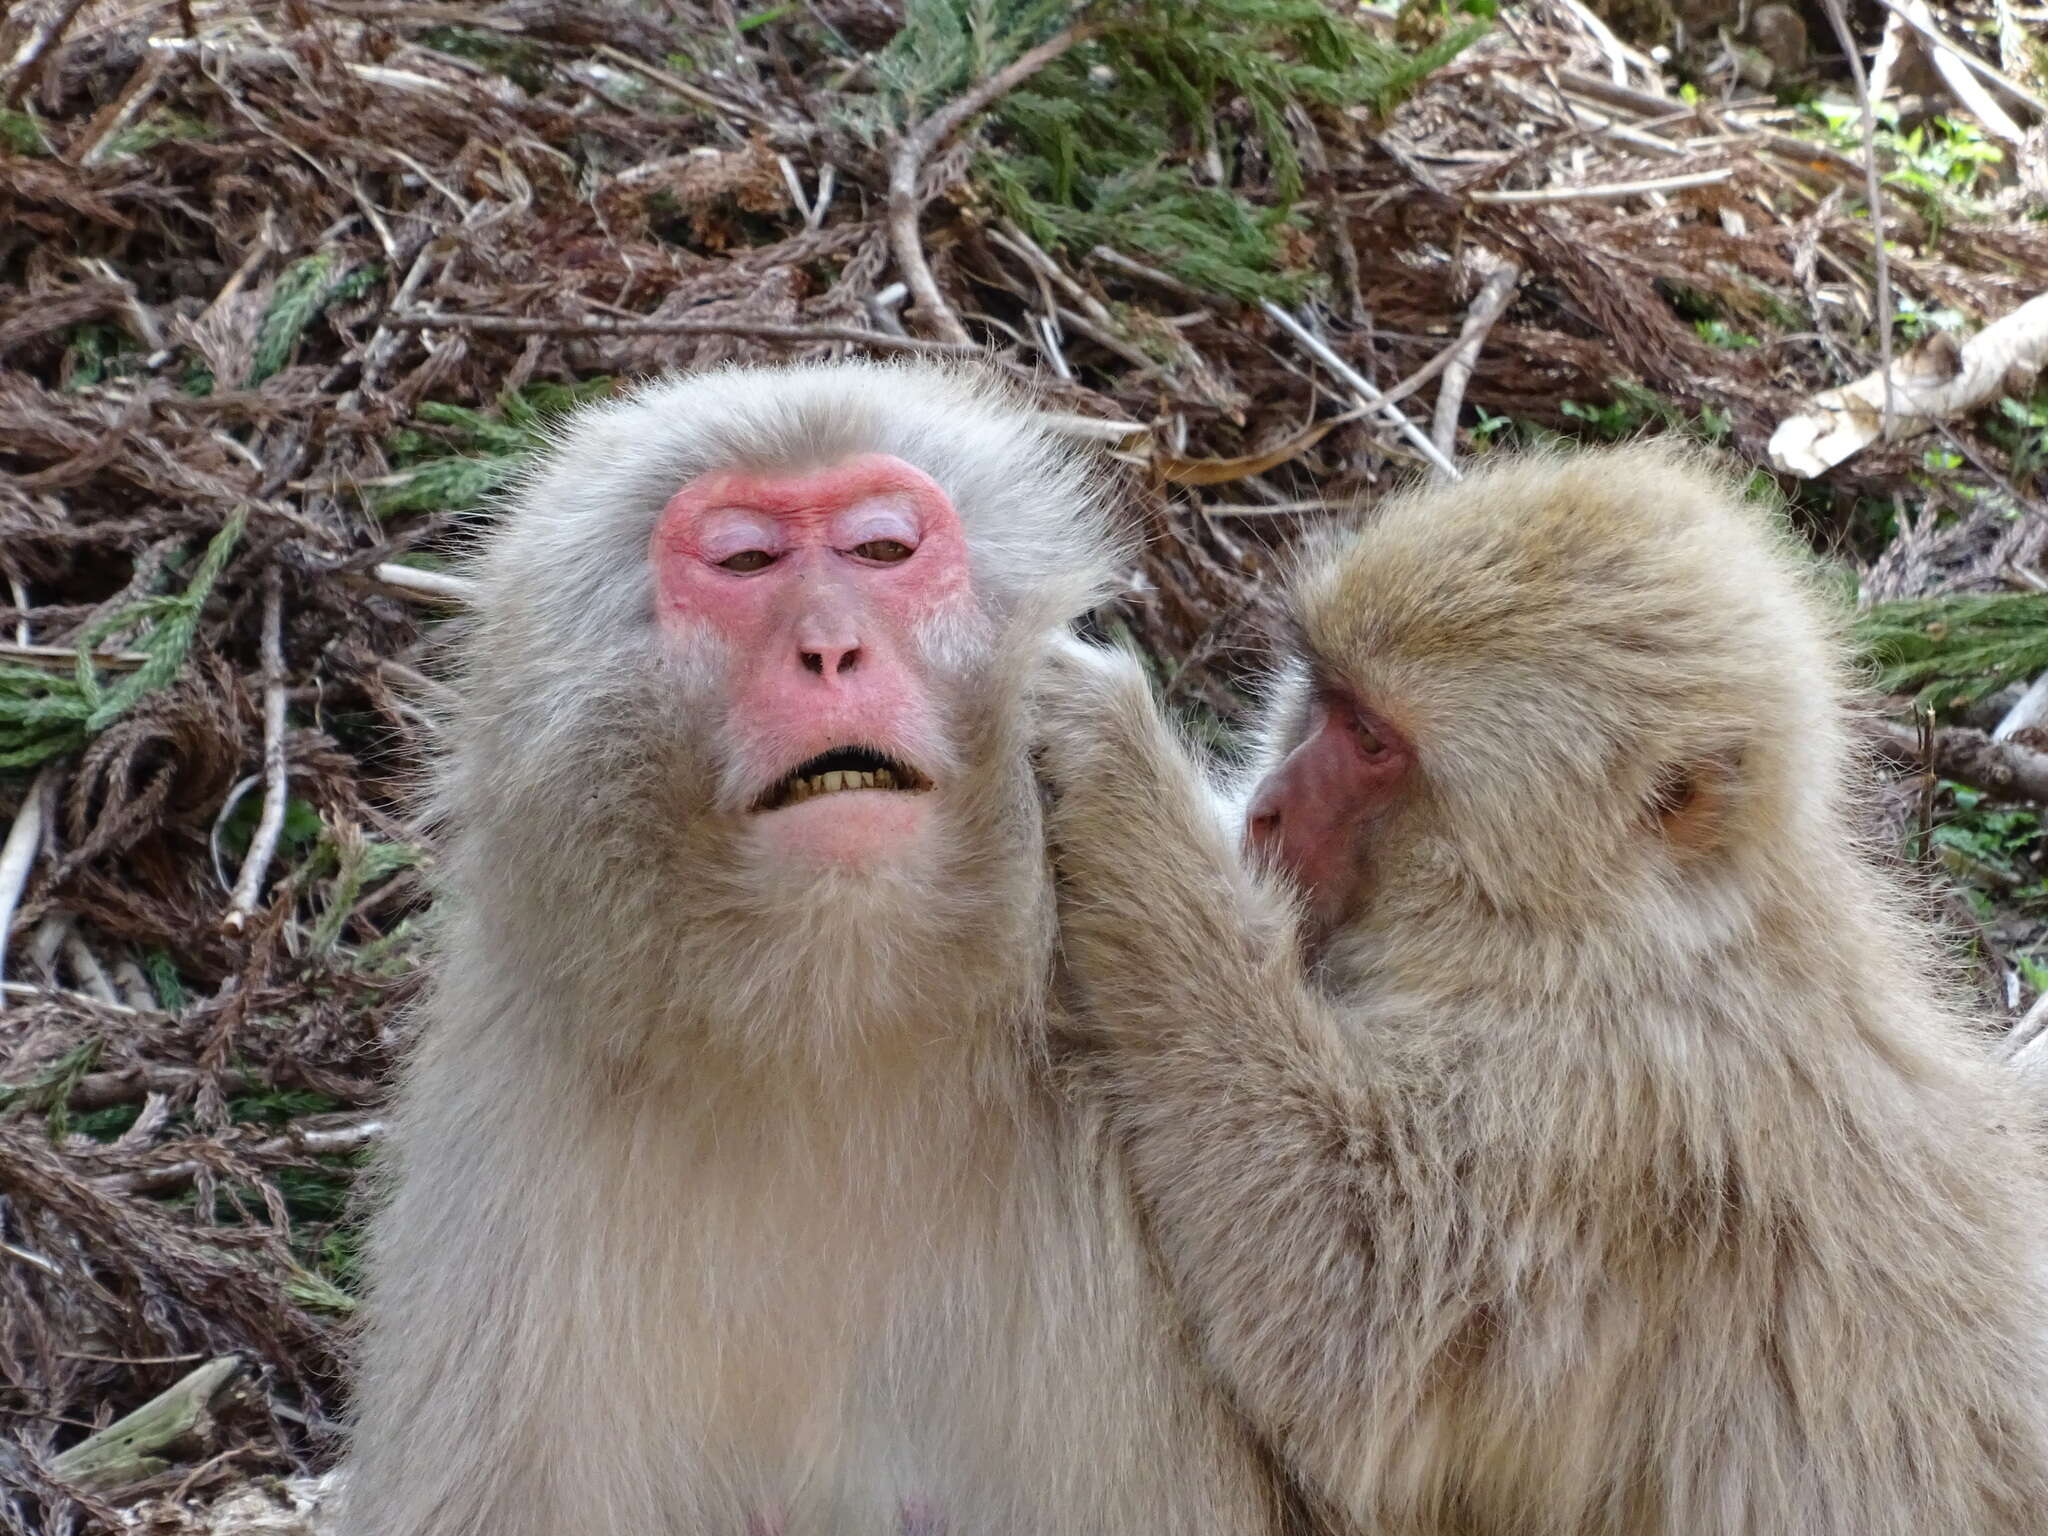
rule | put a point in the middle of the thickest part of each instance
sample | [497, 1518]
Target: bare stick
[1488, 305]
[124, 1452]
[18, 853]
[1935, 381]
[1367, 395]
[263, 846]
[523, 325]
[684, 89]
[1920, 20]
[63, 658]
[2004, 769]
[91, 977]
[2029, 1028]
[409, 581]
[27, 63]
[34, 994]
[1952, 64]
[1873, 194]
[919, 144]
[1607, 189]
[305, 1141]
[2028, 713]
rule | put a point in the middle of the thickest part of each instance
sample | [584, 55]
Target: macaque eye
[747, 561]
[884, 551]
[1371, 741]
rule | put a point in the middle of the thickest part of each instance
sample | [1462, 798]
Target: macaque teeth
[810, 788]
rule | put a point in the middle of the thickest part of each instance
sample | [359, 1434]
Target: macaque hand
[1089, 703]
[1123, 789]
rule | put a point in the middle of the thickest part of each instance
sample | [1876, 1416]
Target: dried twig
[62, 658]
[919, 144]
[1606, 190]
[1873, 193]
[1936, 381]
[753, 330]
[1317, 348]
[2001, 768]
[123, 1453]
[27, 64]
[327, 1139]
[410, 581]
[1488, 305]
[18, 853]
[263, 844]
[1921, 21]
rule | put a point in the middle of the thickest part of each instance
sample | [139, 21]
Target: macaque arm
[1250, 1130]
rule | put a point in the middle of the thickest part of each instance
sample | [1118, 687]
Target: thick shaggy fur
[1618, 1167]
[728, 1204]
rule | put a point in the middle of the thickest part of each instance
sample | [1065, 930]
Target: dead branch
[1606, 190]
[432, 586]
[2004, 769]
[905, 204]
[1317, 348]
[752, 330]
[123, 1453]
[1873, 192]
[1488, 305]
[1914, 13]
[18, 853]
[263, 845]
[1938, 380]
[300, 1142]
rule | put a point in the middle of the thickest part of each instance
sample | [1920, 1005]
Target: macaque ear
[1690, 802]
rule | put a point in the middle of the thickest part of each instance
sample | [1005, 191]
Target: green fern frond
[43, 713]
[304, 289]
[1117, 141]
[1952, 650]
[475, 453]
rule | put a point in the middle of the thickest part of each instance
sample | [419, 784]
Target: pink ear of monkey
[818, 582]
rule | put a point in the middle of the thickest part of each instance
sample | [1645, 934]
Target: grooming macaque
[731, 1190]
[1562, 1135]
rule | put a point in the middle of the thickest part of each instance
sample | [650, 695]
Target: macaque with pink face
[731, 1189]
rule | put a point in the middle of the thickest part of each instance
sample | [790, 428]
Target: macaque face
[1312, 816]
[818, 587]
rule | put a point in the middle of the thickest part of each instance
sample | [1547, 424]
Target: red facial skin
[806, 579]
[1310, 815]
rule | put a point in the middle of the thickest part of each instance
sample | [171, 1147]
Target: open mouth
[842, 768]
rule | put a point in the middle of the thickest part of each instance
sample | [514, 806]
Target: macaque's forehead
[868, 496]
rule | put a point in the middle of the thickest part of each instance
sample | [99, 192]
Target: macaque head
[1542, 687]
[750, 661]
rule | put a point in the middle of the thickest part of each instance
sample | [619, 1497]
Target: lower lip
[846, 828]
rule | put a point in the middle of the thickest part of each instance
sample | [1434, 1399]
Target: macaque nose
[831, 660]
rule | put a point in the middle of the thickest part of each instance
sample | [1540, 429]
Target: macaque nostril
[833, 660]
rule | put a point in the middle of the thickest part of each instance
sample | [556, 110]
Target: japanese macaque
[732, 1191]
[1557, 1129]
